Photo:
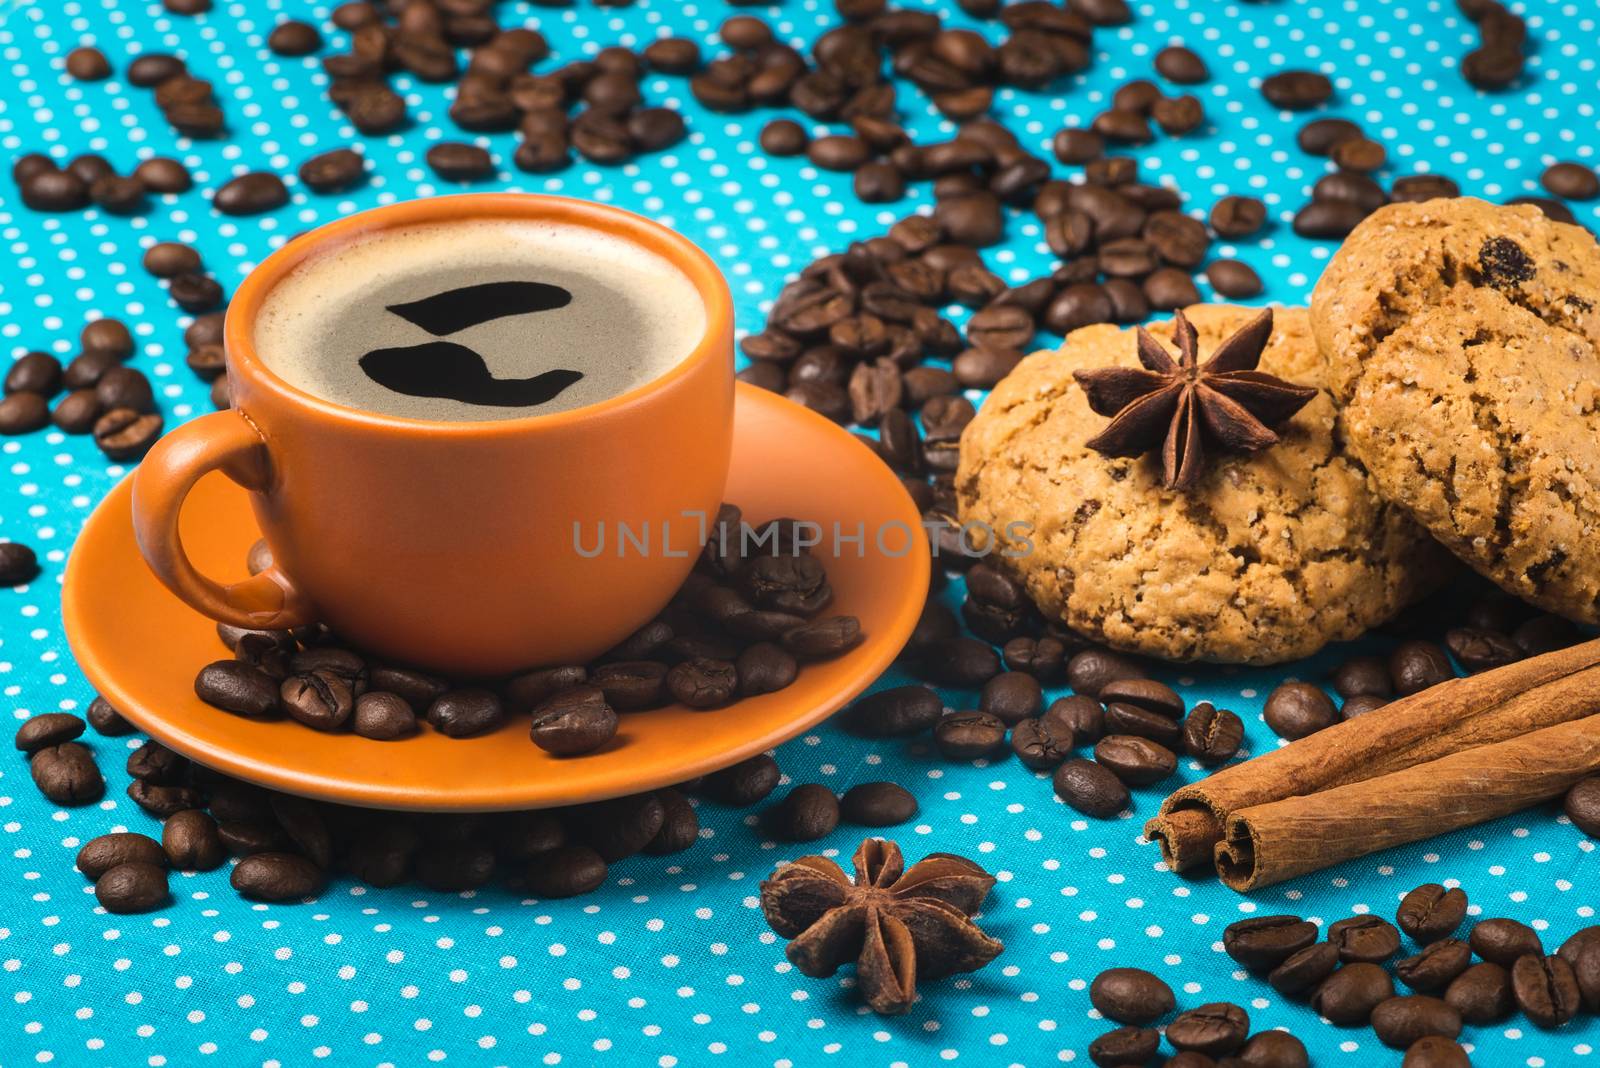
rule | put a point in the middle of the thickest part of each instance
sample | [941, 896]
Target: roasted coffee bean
[251, 194]
[1415, 188]
[1041, 744]
[523, 692]
[455, 867]
[1238, 216]
[1296, 90]
[106, 720]
[91, 167]
[23, 413]
[1435, 1051]
[1011, 697]
[18, 563]
[520, 836]
[809, 812]
[1298, 710]
[703, 682]
[1091, 788]
[47, 729]
[1233, 279]
[190, 841]
[462, 713]
[574, 721]
[964, 662]
[168, 258]
[823, 639]
[1182, 65]
[1360, 154]
[323, 700]
[276, 877]
[632, 685]
[88, 64]
[1304, 970]
[1141, 693]
[1586, 969]
[745, 783]
[1492, 67]
[456, 161]
[1212, 735]
[67, 774]
[100, 855]
[132, 887]
[294, 38]
[896, 712]
[1216, 1029]
[1122, 126]
[118, 194]
[1573, 948]
[1436, 967]
[54, 190]
[1073, 145]
[1178, 115]
[1371, 939]
[1363, 675]
[1402, 1021]
[418, 689]
[1360, 705]
[126, 433]
[877, 804]
[86, 368]
[1135, 760]
[1090, 671]
[1503, 941]
[765, 668]
[1328, 219]
[78, 412]
[34, 372]
[124, 387]
[672, 55]
[1168, 289]
[333, 171]
[1320, 136]
[1582, 806]
[1417, 665]
[1482, 994]
[1545, 634]
[383, 716]
[1142, 723]
[620, 827]
[969, 735]
[680, 825]
[1546, 989]
[1131, 996]
[1125, 1046]
[195, 292]
[1042, 658]
[163, 801]
[566, 872]
[1261, 943]
[1080, 715]
[244, 838]
[1575, 181]
[155, 763]
[1349, 996]
[1431, 912]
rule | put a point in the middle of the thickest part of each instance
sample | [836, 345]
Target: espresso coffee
[478, 320]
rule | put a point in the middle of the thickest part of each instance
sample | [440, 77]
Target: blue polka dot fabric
[671, 963]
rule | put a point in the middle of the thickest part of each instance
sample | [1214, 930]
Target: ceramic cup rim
[703, 274]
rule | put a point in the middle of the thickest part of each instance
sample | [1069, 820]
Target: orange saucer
[141, 647]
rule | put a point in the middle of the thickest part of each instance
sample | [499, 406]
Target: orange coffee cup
[455, 545]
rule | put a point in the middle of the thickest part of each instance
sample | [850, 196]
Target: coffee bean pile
[496, 91]
[287, 846]
[750, 614]
[1200, 1036]
[104, 397]
[1499, 969]
[189, 103]
[1133, 726]
[844, 80]
[1498, 630]
[1498, 60]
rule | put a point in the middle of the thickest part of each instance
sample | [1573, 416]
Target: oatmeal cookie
[1269, 557]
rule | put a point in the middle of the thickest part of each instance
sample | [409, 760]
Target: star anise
[1184, 406]
[897, 925]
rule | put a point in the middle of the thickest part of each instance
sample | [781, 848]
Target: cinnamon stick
[1454, 716]
[1269, 843]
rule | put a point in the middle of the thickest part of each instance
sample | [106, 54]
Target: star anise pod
[1184, 406]
[897, 925]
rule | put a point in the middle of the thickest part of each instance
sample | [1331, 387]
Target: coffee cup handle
[222, 441]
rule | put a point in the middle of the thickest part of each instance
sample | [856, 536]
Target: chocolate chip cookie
[1471, 340]
[1405, 258]
[1267, 558]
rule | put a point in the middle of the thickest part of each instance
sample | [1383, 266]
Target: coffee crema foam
[478, 320]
